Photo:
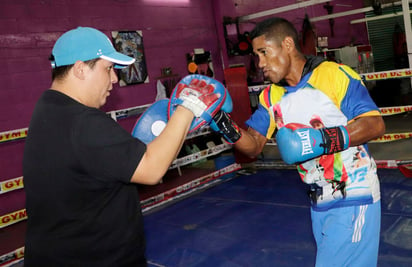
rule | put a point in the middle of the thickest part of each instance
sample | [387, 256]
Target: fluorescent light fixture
[167, 2]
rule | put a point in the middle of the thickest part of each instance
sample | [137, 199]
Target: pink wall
[28, 30]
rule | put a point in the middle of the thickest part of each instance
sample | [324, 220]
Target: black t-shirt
[82, 209]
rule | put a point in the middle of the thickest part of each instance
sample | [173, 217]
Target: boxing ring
[261, 216]
[255, 214]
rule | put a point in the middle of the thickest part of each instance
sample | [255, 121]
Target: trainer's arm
[161, 152]
[364, 129]
[251, 143]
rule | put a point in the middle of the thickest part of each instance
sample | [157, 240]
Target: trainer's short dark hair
[275, 29]
[62, 71]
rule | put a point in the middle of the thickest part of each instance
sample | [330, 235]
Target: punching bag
[400, 50]
[236, 84]
[308, 38]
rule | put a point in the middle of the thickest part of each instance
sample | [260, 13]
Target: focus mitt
[152, 122]
[200, 94]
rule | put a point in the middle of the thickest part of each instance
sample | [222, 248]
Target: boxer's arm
[364, 129]
[251, 143]
[161, 152]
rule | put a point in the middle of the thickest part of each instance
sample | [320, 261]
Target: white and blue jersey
[329, 95]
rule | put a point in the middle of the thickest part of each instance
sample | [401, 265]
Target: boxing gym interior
[215, 206]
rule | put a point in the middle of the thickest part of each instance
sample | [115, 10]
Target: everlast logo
[305, 139]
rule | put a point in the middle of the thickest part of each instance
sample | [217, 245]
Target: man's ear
[79, 69]
[288, 43]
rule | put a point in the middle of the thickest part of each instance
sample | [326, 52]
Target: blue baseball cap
[85, 43]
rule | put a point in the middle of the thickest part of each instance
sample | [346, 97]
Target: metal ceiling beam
[355, 21]
[281, 9]
[381, 16]
[315, 19]
[352, 12]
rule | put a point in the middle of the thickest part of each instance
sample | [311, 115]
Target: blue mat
[262, 220]
[396, 230]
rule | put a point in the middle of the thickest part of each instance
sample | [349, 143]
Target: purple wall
[28, 30]
[344, 32]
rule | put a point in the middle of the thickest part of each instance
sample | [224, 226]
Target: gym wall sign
[13, 135]
[386, 75]
[10, 185]
[13, 218]
[394, 110]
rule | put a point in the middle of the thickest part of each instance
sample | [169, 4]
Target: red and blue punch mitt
[203, 95]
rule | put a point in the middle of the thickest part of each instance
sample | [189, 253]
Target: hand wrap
[223, 124]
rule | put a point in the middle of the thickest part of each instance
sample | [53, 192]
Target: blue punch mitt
[152, 122]
[202, 95]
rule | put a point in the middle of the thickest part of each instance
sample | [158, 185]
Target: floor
[262, 219]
